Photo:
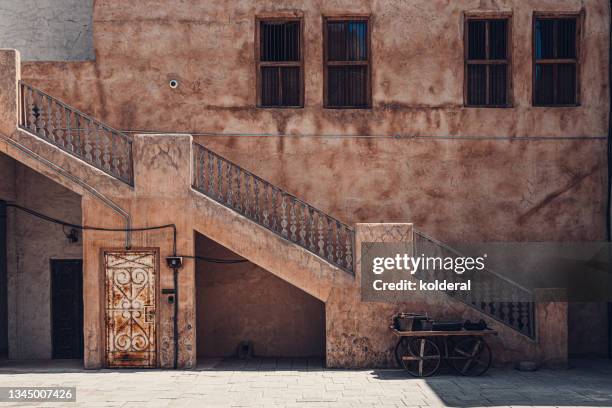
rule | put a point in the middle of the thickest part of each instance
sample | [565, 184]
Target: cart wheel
[471, 356]
[422, 357]
[401, 348]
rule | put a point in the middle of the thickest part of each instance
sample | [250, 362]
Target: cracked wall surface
[538, 174]
[48, 30]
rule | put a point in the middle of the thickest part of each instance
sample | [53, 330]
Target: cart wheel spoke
[421, 358]
[471, 356]
[466, 367]
[462, 353]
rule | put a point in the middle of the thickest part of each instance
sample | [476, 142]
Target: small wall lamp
[72, 235]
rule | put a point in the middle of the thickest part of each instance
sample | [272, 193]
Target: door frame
[53, 262]
[156, 251]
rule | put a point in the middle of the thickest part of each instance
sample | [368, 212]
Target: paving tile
[304, 383]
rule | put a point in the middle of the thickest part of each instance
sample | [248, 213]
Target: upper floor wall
[417, 69]
[48, 30]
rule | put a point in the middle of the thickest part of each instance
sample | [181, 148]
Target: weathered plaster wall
[239, 302]
[7, 181]
[528, 189]
[162, 179]
[32, 244]
[358, 333]
[417, 63]
[455, 190]
[48, 30]
[480, 188]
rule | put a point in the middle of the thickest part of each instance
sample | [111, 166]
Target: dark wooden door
[610, 330]
[67, 308]
[3, 284]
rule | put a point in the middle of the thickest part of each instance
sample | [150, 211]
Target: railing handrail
[127, 138]
[348, 227]
[275, 209]
[459, 254]
[524, 323]
[90, 140]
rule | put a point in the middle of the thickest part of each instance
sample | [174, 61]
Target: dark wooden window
[347, 63]
[555, 68]
[280, 68]
[487, 62]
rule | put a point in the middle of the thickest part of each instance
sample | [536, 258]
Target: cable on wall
[65, 224]
[90, 228]
[215, 260]
[372, 136]
[64, 173]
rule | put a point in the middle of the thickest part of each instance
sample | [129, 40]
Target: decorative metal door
[130, 308]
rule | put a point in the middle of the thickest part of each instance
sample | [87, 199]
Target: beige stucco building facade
[170, 77]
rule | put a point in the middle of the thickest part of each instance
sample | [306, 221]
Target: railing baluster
[330, 240]
[229, 185]
[201, 168]
[239, 197]
[257, 207]
[106, 158]
[321, 242]
[79, 141]
[69, 141]
[273, 212]
[115, 162]
[31, 117]
[49, 122]
[273, 208]
[303, 219]
[338, 245]
[516, 307]
[284, 222]
[59, 133]
[247, 195]
[211, 168]
[220, 179]
[312, 232]
[97, 143]
[42, 125]
[266, 212]
[77, 134]
[293, 221]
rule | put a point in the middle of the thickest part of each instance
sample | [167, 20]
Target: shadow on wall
[245, 303]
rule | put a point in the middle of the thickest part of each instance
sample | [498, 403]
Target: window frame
[368, 63]
[540, 15]
[488, 16]
[259, 64]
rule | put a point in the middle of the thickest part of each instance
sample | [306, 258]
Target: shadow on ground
[588, 383]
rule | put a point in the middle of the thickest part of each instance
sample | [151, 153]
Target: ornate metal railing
[273, 208]
[517, 308]
[76, 133]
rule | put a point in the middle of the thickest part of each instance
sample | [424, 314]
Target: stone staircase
[250, 216]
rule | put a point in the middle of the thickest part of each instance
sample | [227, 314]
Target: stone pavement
[305, 383]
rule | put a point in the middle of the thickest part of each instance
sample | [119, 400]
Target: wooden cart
[421, 352]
